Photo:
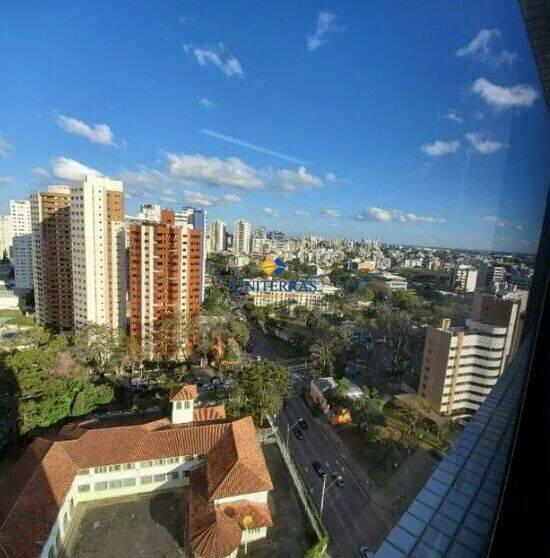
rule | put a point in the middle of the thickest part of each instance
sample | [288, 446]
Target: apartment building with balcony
[21, 250]
[98, 252]
[164, 278]
[51, 257]
[461, 365]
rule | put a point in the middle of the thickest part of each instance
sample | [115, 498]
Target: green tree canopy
[260, 390]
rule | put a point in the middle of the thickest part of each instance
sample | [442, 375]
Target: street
[350, 515]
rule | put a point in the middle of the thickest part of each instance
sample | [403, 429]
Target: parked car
[303, 424]
[319, 469]
[298, 433]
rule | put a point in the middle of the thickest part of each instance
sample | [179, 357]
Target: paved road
[349, 514]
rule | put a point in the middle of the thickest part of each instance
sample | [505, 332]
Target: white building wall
[5, 235]
[21, 254]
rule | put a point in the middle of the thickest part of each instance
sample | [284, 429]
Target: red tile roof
[216, 412]
[184, 393]
[32, 495]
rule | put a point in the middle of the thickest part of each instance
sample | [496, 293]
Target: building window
[114, 468]
[174, 475]
[147, 479]
[160, 478]
[146, 464]
[83, 488]
[100, 486]
[128, 466]
[129, 482]
[100, 470]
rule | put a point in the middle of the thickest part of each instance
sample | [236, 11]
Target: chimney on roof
[446, 324]
[183, 403]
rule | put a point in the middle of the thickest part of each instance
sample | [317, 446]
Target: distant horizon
[322, 121]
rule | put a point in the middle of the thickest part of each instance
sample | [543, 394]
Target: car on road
[366, 551]
[338, 479]
[303, 424]
[319, 469]
[298, 433]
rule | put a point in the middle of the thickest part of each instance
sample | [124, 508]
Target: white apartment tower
[218, 236]
[98, 252]
[461, 365]
[241, 237]
[464, 278]
[21, 255]
[5, 235]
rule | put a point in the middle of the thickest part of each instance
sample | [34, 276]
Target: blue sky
[421, 125]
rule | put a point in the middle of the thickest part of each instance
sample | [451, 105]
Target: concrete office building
[312, 300]
[218, 236]
[463, 278]
[51, 251]
[98, 252]
[392, 281]
[461, 365]
[164, 277]
[241, 237]
[217, 460]
[21, 253]
[5, 236]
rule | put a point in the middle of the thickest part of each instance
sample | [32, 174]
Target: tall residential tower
[21, 254]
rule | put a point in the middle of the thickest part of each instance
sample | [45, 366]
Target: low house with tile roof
[217, 458]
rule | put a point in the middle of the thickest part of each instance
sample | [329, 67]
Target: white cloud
[453, 116]
[193, 197]
[330, 213]
[494, 220]
[330, 177]
[71, 170]
[143, 177]
[217, 56]
[441, 147]
[288, 180]
[207, 103]
[270, 212]
[230, 172]
[41, 172]
[300, 213]
[98, 133]
[5, 147]
[521, 95]
[252, 146]
[484, 145]
[386, 215]
[481, 48]
[326, 23]
[5, 180]
[374, 214]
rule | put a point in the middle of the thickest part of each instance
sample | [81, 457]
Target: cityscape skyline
[392, 157]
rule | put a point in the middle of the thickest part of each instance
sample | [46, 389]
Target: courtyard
[153, 525]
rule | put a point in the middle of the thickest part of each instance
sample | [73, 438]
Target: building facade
[460, 366]
[218, 236]
[51, 257]
[5, 236]
[98, 252]
[241, 237]
[164, 278]
[21, 253]
[196, 217]
[218, 459]
[463, 278]
[311, 299]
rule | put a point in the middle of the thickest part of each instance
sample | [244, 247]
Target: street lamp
[325, 488]
[289, 427]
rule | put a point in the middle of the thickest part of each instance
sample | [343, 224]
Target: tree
[170, 337]
[406, 300]
[369, 294]
[381, 290]
[260, 390]
[322, 357]
[97, 347]
[89, 397]
[216, 300]
[239, 331]
[368, 412]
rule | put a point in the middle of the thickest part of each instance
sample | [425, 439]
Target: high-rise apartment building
[51, 257]
[165, 272]
[5, 236]
[241, 237]
[98, 252]
[197, 218]
[463, 278]
[461, 365]
[218, 236]
[21, 254]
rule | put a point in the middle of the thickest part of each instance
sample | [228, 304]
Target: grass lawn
[377, 457]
